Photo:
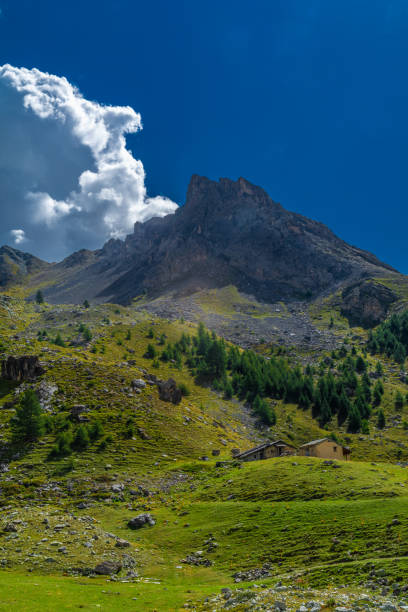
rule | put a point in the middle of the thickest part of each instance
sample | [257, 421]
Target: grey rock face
[366, 303]
[21, 368]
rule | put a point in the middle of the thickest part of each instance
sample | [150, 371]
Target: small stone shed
[325, 449]
[267, 450]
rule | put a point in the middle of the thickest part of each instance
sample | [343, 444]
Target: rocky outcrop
[227, 233]
[78, 413]
[169, 391]
[141, 520]
[366, 303]
[21, 368]
[107, 568]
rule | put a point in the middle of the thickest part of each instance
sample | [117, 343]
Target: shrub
[104, 442]
[59, 341]
[184, 389]
[150, 352]
[96, 431]
[63, 445]
[129, 432]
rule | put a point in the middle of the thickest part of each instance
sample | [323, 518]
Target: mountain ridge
[227, 233]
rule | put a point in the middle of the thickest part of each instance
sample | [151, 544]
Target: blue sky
[307, 98]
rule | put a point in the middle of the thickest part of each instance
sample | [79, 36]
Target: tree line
[347, 395]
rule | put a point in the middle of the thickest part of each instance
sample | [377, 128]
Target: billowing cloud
[18, 236]
[66, 176]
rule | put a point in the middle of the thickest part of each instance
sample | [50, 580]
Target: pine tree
[365, 428]
[344, 408]
[39, 298]
[96, 430]
[86, 304]
[399, 401]
[81, 438]
[28, 424]
[354, 419]
[304, 401]
[325, 413]
[377, 396]
[262, 409]
[360, 365]
[399, 353]
[228, 390]
[381, 419]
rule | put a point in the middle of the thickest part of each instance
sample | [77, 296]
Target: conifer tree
[28, 423]
[399, 401]
[81, 438]
[354, 419]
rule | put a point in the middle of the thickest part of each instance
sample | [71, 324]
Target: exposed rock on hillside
[168, 391]
[21, 368]
[367, 303]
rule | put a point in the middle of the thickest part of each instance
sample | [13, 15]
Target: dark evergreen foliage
[28, 423]
[391, 338]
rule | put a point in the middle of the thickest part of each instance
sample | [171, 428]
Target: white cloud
[18, 236]
[65, 170]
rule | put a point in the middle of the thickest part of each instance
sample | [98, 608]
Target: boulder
[122, 543]
[78, 413]
[107, 568]
[138, 383]
[169, 392]
[21, 368]
[141, 520]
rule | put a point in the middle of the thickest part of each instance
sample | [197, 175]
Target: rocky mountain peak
[226, 196]
[227, 233]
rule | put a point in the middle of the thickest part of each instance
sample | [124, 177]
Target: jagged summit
[228, 232]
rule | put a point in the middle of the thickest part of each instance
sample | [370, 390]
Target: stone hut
[267, 450]
[325, 449]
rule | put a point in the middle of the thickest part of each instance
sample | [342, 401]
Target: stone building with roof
[267, 450]
[325, 448]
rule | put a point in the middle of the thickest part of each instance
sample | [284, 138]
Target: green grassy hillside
[322, 529]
